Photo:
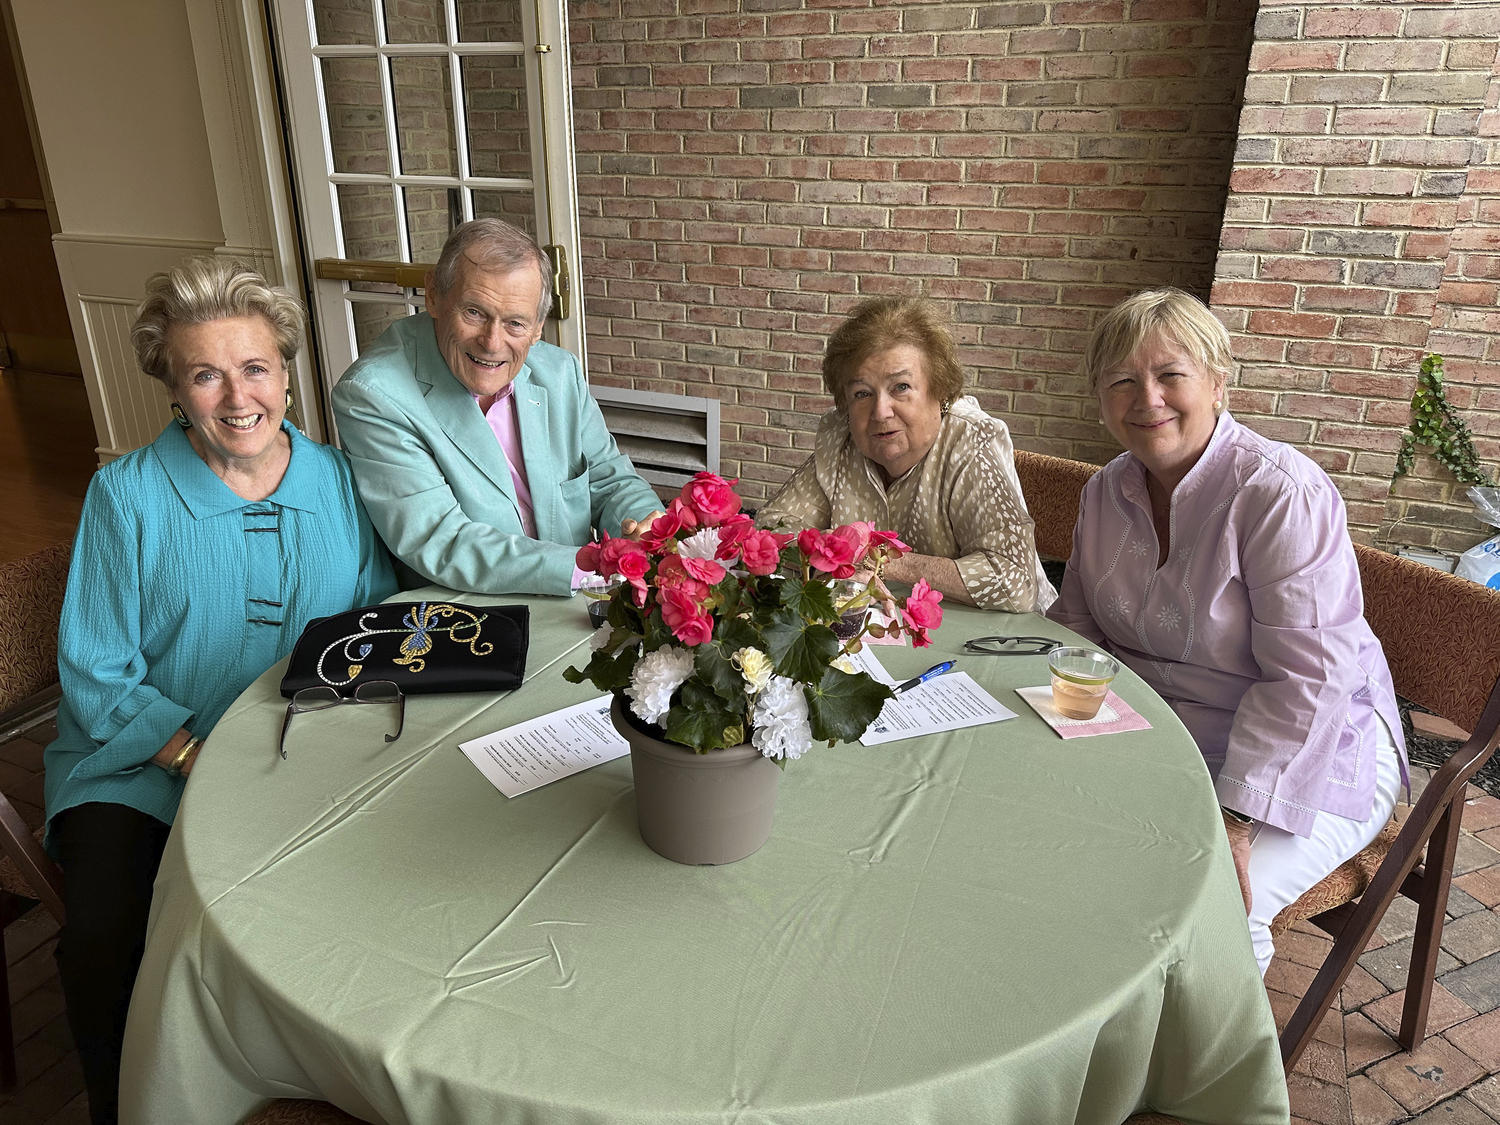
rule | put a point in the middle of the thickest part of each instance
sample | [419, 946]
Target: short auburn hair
[881, 323]
[1178, 315]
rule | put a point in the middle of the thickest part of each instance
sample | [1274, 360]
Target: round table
[992, 924]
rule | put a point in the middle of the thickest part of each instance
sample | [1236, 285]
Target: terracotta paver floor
[1355, 1073]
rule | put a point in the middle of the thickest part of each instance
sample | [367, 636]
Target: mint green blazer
[435, 482]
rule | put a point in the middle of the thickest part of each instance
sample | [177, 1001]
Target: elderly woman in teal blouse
[197, 563]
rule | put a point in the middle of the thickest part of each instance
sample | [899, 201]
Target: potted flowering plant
[720, 638]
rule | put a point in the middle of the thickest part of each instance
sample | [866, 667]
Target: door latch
[562, 287]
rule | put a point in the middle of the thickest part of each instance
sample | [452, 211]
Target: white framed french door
[407, 117]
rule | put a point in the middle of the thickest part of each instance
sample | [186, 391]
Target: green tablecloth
[991, 925]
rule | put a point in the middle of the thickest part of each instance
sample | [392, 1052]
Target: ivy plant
[1436, 425]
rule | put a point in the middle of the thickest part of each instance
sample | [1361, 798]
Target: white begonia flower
[655, 677]
[601, 637]
[699, 545]
[755, 666]
[844, 664]
[780, 720]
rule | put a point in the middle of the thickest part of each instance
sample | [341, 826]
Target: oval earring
[1218, 406]
[181, 416]
[289, 402]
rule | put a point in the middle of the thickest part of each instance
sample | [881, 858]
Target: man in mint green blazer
[480, 455]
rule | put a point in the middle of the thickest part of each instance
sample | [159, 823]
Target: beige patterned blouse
[962, 502]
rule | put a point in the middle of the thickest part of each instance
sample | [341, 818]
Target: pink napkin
[1114, 715]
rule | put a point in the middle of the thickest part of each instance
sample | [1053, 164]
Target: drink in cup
[1080, 680]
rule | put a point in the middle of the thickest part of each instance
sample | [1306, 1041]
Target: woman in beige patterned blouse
[902, 448]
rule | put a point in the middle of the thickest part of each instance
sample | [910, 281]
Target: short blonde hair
[204, 289]
[887, 322]
[1179, 316]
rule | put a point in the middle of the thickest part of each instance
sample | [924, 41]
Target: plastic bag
[1482, 563]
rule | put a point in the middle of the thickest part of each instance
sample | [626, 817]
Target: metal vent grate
[668, 438]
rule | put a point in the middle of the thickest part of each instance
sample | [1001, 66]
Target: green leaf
[735, 633]
[841, 706]
[702, 721]
[813, 600]
[800, 651]
[605, 672]
[715, 670]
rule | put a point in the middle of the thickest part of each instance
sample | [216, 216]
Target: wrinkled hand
[1239, 847]
[634, 529]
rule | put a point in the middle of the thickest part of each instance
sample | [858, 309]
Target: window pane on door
[415, 21]
[424, 116]
[431, 215]
[344, 21]
[516, 207]
[356, 115]
[496, 111]
[371, 319]
[367, 214]
[489, 21]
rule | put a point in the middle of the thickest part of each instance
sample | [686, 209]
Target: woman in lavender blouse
[1217, 565]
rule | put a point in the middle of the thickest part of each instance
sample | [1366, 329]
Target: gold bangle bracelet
[175, 769]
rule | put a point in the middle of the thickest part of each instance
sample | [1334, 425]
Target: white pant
[1284, 866]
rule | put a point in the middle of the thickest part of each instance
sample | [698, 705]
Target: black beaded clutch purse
[422, 647]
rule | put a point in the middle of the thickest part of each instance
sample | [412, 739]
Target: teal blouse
[180, 594]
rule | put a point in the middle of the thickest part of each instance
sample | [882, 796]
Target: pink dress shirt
[1254, 628]
[507, 430]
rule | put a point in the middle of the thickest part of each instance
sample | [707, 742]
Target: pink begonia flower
[827, 553]
[711, 498]
[685, 515]
[732, 533]
[708, 571]
[761, 552]
[613, 552]
[858, 537]
[663, 528]
[587, 558]
[922, 612]
[634, 564]
[684, 616]
[671, 574]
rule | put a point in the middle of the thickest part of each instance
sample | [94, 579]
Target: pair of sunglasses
[1011, 646]
[322, 698]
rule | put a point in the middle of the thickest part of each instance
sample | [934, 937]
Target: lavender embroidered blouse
[1253, 630]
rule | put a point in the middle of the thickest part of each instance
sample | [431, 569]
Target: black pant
[109, 856]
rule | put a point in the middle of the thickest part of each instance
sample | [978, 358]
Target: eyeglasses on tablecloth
[322, 698]
[1011, 646]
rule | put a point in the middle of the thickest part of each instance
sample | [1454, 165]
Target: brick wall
[1359, 234]
[749, 169]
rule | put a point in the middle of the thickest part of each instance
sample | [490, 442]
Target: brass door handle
[408, 275]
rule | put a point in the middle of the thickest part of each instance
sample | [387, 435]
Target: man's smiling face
[486, 323]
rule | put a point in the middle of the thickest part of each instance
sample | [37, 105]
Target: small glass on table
[1080, 680]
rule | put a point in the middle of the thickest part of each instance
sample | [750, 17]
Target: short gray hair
[492, 244]
[205, 289]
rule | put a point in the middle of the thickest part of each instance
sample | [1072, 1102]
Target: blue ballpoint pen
[931, 673]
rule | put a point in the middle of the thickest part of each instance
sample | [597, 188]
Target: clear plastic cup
[1080, 680]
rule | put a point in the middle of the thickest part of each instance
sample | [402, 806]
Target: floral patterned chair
[1439, 633]
[31, 595]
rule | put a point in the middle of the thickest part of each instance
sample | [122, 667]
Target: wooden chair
[301, 1111]
[1441, 636]
[31, 595]
[1051, 487]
